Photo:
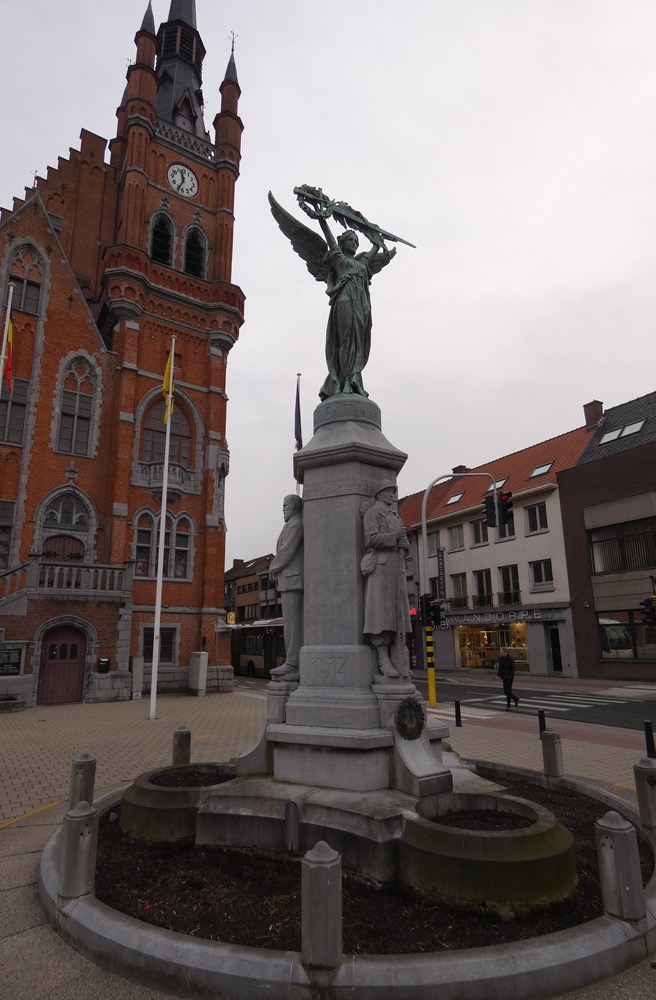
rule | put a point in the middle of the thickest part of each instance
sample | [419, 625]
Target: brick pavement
[36, 749]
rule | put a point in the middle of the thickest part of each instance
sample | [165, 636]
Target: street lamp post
[424, 579]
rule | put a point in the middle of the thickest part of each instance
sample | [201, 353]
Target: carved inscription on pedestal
[327, 671]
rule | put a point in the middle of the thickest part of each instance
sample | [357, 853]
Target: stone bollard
[619, 868]
[83, 776]
[181, 746]
[77, 867]
[552, 754]
[321, 907]
[645, 780]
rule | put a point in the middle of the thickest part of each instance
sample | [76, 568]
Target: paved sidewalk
[36, 749]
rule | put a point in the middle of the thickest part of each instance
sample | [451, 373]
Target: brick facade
[109, 260]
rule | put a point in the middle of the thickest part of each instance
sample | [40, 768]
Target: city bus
[258, 648]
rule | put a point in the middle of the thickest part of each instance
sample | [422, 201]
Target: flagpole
[5, 332]
[297, 424]
[162, 538]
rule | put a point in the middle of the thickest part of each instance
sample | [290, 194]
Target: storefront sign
[10, 662]
[497, 617]
[441, 577]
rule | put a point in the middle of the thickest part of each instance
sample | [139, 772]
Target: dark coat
[506, 667]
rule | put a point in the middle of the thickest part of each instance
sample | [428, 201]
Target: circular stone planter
[520, 869]
[161, 805]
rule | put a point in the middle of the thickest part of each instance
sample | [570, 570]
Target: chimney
[593, 412]
[458, 470]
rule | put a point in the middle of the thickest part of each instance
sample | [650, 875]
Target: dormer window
[184, 115]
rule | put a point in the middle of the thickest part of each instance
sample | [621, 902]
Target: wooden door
[61, 674]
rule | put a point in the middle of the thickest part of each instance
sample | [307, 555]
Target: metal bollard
[541, 721]
[83, 777]
[552, 754]
[181, 746]
[644, 773]
[77, 867]
[649, 739]
[458, 716]
[619, 868]
[321, 907]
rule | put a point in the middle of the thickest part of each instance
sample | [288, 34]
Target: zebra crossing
[488, 707]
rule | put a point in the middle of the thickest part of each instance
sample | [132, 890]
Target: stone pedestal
[335, 727]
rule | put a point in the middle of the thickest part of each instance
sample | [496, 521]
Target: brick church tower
[108, 260]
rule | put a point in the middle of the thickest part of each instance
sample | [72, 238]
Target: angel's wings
[307, 243]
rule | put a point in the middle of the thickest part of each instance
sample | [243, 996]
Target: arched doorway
[61, 673]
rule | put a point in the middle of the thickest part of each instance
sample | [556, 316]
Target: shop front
[537, 639]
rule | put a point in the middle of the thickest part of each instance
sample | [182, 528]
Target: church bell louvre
[122, 246]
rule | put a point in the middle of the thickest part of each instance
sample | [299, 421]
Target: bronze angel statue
[347, 275]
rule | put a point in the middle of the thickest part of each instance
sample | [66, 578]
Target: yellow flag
[167, 388]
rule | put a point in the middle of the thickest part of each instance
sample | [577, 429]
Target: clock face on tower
[182, 180]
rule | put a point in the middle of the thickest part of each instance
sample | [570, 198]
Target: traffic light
[505, 507]
[649, 611]
[489, 512]
[425, 609]
[438, 610]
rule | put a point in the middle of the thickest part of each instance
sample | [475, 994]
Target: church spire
[180, 54]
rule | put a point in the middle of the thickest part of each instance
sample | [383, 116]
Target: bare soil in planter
[253, 897]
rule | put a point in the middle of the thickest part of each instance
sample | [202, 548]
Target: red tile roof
[563, 451]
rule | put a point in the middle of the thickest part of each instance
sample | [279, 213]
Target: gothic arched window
[177, 546]
[194, 253]
[154, 435]
[77, 406]
[161, 245]
[26, 275]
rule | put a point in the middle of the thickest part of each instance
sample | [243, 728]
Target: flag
[297, 416]
[167, 388]
[8, 360]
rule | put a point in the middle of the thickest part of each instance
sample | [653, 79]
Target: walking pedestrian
[506, 671]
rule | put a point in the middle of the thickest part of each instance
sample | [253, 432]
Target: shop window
[541, 575]
[12, 411]
[479, 532]
[6, 526]
[161, 245]
[536, 518]
[456, 538]
[620, 547]
[166, 645]
[509, 580]
[624, 636]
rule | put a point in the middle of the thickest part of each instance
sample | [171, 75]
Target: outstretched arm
[327, 232]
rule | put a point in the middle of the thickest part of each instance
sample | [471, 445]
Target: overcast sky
[513, 141]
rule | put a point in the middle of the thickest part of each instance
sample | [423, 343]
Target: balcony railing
[483, 601]
[509, 597]
[458, 603]
[151, 474]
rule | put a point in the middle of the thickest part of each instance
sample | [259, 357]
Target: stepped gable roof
[629, 425]
[520, 472]
[248, 567]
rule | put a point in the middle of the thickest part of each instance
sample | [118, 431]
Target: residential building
[608, 504]
[505, 585]
[109, 258]
[249, 594]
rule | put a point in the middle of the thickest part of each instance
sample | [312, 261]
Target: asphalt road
[625, 712]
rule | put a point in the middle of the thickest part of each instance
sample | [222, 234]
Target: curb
[538, 967]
